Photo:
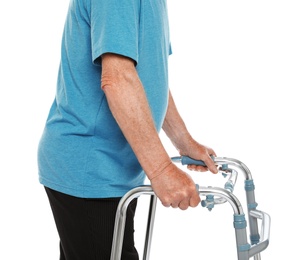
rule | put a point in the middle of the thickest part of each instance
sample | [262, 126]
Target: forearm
[176, 130]
[129, 106]
[174, 126]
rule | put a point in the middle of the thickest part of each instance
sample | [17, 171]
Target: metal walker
[214, 195]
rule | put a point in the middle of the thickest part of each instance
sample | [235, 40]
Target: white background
[236, 75]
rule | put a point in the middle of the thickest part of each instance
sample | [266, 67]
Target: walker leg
[150, 225]
[241, 237]
[120, 219]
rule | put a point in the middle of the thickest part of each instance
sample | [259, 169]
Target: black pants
[85, 227]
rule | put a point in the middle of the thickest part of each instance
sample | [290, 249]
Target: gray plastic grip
[185, 160]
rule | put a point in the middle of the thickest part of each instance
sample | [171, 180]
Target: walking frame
[213, 195]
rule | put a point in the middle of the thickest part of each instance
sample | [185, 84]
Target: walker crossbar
[259, 241]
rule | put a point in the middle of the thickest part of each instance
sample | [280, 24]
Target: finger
[184, 204]
[195, 200]
[174, 205]
[197, 168]
[166, 203]
[211, 165]
[200, 168]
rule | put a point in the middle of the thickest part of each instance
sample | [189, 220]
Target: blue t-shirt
[82, 151]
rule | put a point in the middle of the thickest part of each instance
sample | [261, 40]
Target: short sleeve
[114, 28]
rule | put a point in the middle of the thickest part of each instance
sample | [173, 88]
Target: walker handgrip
[185, 160]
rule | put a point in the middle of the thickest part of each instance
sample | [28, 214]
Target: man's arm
[176, 130]
[128, 103]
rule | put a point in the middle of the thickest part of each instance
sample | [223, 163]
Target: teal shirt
[82, 151]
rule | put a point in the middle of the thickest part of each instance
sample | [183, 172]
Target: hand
[175, 188]
[200, 152]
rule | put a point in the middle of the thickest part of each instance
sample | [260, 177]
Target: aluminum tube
[230, 197]
[120, 220]
[150, 225]
[236, 163]
[136, 192]
[265, 232]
